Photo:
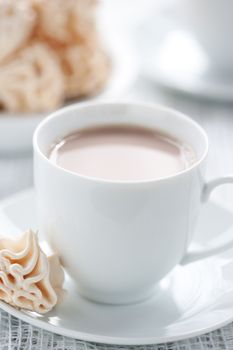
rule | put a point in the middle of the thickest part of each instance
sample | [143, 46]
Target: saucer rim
[103, 339]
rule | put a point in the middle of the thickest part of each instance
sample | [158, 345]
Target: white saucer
[193, 300]
[173, 58]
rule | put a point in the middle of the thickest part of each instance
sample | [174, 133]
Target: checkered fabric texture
[18, 335]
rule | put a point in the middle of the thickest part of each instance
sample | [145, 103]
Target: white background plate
[192, 300]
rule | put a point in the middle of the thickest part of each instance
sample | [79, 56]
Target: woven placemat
[18, 335]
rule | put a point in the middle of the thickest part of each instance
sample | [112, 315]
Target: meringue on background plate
[44, 62]
[31, 81]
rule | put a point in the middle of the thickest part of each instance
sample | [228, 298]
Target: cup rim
[158, 107]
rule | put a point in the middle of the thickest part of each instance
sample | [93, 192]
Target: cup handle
[202, 253]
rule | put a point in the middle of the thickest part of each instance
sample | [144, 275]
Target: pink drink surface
[122, 153]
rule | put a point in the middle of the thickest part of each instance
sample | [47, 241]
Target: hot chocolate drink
[122, 153]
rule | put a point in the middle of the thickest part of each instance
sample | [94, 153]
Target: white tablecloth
[17, 335]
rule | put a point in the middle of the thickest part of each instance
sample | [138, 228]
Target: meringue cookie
[28, 278]
[33, 81]
[17, 21]
[86, 69]
[70, 25]
[49, 51]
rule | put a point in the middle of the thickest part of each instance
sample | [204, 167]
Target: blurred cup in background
[211, 22]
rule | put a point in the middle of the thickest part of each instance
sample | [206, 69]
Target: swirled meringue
[28, 278]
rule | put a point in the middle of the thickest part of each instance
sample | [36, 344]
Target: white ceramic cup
[212, 24]
[119, 239]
